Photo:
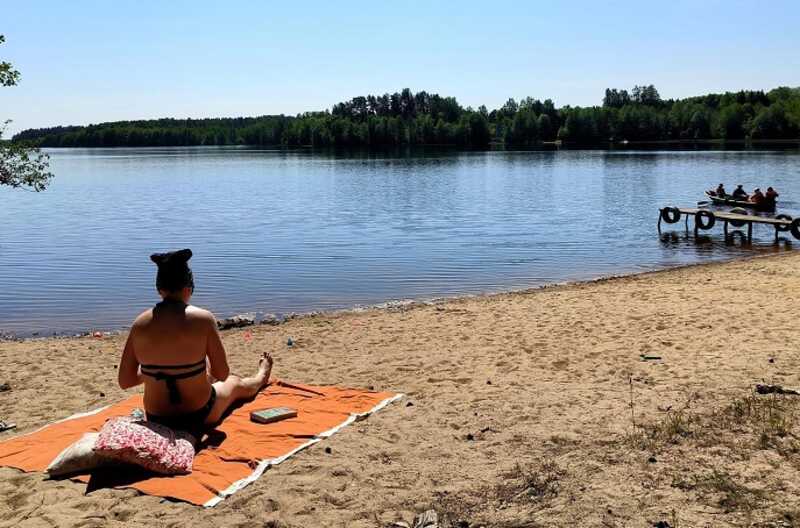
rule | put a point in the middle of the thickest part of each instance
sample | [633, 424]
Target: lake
[278, 231]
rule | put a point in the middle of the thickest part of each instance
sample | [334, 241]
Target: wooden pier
[705, 219]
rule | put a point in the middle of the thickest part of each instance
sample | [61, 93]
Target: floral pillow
[149, 445]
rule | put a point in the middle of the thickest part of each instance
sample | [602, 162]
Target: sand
[518, 410]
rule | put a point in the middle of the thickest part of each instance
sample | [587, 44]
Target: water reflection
[282, 231]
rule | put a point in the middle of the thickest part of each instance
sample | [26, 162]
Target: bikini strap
[171, 381]
[175, 367]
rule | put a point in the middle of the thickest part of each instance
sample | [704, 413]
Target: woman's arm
[129, 374]
[215, 351]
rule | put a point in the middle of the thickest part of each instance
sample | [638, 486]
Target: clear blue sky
[86, 62]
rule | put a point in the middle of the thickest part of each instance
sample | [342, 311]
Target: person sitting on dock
[758, 197]
[770, 198]
[721, 191]
[739, 193]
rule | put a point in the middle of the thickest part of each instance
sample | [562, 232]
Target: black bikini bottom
[192, 422]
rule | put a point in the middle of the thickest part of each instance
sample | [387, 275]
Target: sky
[94, 61]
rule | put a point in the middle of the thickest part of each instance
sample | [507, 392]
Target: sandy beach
[522, 409]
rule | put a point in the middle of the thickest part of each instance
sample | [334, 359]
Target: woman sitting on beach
[176, 351]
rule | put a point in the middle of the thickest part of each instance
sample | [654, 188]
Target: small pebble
[5, 387]
[409, 404]
[652, 460]
[772, 360]
[470, 437]
[328, 450]
[289, 342]
[102, 394]
[488, 382]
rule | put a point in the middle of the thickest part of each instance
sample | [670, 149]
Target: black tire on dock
[795, 228]
[700, 215]
[740, 211]
[671, 215]
[783, 228]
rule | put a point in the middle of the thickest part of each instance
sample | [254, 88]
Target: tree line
[407, 118]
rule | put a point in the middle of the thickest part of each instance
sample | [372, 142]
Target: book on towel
[273, 414]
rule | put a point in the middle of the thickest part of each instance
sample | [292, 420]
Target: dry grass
[528, 486]
[748, 422]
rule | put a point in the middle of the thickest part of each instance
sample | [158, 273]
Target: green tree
[20, 166]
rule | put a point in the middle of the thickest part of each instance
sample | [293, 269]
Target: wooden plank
[738, 217]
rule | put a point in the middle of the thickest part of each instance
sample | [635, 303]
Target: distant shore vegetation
[405, 119]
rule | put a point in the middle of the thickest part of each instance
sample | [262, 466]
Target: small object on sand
[102, 394]
[488, 382]
[6, 426]
[428, 519]
[409, 404]
[97, 335]
[649, 358]
[328, 450]
[289, 342]
[771, 360]
[763, 388]
[5, 387]
[137, 414]
[652, 459]
[470, 437]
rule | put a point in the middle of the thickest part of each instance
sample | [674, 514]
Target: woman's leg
[234, 389]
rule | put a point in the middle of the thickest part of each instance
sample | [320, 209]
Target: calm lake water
[277, 232]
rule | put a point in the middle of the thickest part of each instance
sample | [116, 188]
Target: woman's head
[174, 278]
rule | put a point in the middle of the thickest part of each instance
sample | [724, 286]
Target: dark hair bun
[173, 270]
[173, 257]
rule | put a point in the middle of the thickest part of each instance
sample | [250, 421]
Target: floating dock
[705, 219]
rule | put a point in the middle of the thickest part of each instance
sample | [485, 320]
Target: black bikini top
[171, 379]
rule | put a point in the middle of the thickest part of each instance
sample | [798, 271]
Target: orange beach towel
[234, 455]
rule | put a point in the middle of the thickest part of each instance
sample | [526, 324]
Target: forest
[407, 118]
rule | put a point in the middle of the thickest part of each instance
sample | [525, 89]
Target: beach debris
[409, 404]
[6, 426]
[470, 437]
[662, 524]
[649, 358]
[488, 382]
[771, 360]
[763, 388]
[652, 459]
[328, 450]
[290, 342]
[427, 519]
[97, 335]
[5, 387]
[237, 321]
[137, 414]
[247, 336]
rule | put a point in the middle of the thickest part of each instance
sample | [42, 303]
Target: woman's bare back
[174, 334]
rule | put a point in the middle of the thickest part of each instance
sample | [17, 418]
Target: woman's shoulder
[200, 314]
[143, 318]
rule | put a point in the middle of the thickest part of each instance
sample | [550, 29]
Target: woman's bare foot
[264, 369]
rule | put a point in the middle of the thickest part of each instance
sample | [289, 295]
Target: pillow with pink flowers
[146, 444]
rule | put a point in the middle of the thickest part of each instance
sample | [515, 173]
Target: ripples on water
[277, 231]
